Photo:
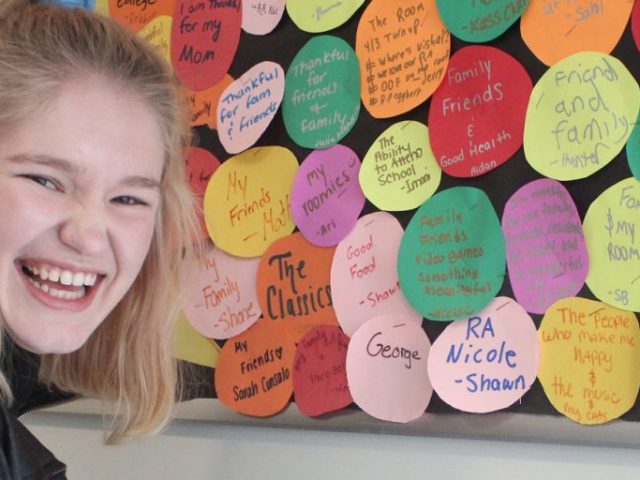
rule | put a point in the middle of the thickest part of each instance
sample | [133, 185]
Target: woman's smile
[62, 287]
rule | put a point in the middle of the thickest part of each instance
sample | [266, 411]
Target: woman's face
[79, 197]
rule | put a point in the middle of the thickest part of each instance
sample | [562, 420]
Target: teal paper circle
[322, 92]
[480, 20]
[633, 151]
[452, 259]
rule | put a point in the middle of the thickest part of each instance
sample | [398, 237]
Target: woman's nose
[85, 230]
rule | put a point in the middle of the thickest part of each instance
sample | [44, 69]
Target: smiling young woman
[97, 215]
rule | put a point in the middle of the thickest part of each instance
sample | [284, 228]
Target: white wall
[205, 450]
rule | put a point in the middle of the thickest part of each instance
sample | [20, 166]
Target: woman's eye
[44, 181]
[129, 200]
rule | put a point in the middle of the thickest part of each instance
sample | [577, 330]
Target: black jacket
[22, 456]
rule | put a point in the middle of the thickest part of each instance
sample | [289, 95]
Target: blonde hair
[129, 358]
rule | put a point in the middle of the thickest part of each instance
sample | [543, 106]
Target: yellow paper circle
[400, 172]
[317, 16]
[192, 346]
[246, 204]
[580, 115]
[102, 7]
[612, 232]
[158, 34]
[589, 359]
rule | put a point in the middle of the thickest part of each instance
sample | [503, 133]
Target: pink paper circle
[248, 106]
[221, 297]
[488, 361]
[260, 17]
[387, 368]
[364, 273]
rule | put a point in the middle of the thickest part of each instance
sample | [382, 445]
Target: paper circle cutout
[589, 360]
[319, 371]
[326, 198]
[480, 21]
[317, 16]
[157, 33]
[204, 40]
[633, 151]
[399, 171]
[476, 117]
[580, 115]
[547, 255]
[101, 7]
[203, 103]
[260, 17]
[253, 375]
[246, 204]
[635, 24]
[294, 287]
[451, 261]
[486, 362]
[135, 15]
[248, 106]
[322, 93]
[201, 164]
[192, 346]
[403, 50]
[611, 224]
[387, 368]
[554, 30]
[364, 273]
[221, 299]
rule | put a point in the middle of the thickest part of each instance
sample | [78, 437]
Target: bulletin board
[489, 184]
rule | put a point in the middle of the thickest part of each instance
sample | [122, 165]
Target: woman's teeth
[64, 277]
[54, 292]
[45, 278]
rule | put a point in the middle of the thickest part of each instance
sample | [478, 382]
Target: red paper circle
[476, 118]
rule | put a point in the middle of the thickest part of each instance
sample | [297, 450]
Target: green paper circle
[322, 92]
[480, 20]
[633, 150]
[452, 259]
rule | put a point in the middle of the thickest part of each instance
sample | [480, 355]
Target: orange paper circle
[203, 103]
[135, 15]
[294, 285]
[253, 375]
[403, 48]
[554, 30]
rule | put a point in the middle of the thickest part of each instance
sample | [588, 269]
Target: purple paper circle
[547, 256]
[326, 198]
